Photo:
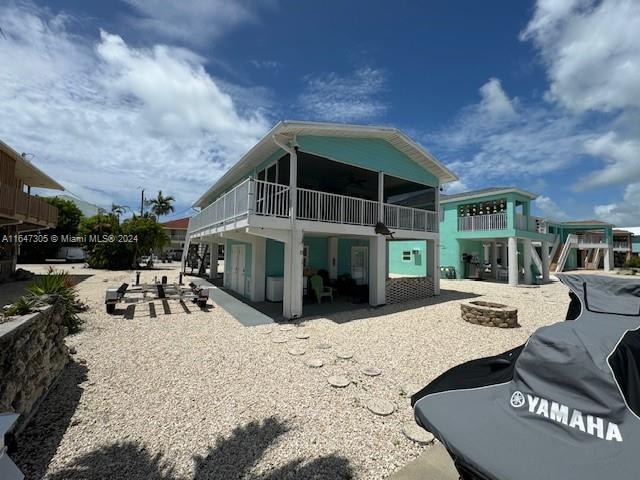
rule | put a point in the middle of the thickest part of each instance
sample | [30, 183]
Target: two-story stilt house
[493, 229]
[307, 198]
[20, 211]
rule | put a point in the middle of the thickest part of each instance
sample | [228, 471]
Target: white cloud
[625, 211]
[501, 139]
[591, 52]
[548, 208]
[195, 22]
[346, 98]
[104, 118]
[495, 102]
[621, 157]
[454, 187]
[592, 55]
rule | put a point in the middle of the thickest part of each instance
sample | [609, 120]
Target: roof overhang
[290, 129]
[28, 172]
[475, 195]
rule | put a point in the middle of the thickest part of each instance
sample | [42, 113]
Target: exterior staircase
[559, 263]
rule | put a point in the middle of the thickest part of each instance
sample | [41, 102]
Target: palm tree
[117, 210]
[161, 205]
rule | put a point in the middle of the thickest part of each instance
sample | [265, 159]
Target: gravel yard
[200, 396]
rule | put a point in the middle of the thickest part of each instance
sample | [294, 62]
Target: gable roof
[290, 129]
[178, 223]
[484, 192]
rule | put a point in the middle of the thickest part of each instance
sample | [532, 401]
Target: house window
[305, 256]
[406, 255]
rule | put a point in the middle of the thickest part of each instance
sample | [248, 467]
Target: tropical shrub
[61, 285]
[633, 262]
[22, 306]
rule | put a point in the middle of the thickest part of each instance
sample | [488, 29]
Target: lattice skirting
[408, 288]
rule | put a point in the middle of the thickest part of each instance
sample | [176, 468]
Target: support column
[258, 265]
[292, 296]
[513, 261]
[377, 270]
[504, 254]
[333, 257]
[608, 259]
[213, 260]
[494, 259]
[381, 197]
[433, 264]
[546, 260]
[526, 260]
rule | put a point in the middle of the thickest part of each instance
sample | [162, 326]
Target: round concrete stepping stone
[264, 330]
[279, 339]
[371, 371]
[286, 327]
[324, 346]
[314, 363]
[338, 381]
[302, 335]
[416, 433]
[344, 355]
[297, 351]
[381, 407]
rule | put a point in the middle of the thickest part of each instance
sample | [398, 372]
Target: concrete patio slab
[434, 464]
[246, 315]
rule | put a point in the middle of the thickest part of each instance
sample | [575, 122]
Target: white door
[237, 268]
[360, 265]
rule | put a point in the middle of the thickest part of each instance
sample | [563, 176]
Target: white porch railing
[330, 207]
[407, 218]
[493, 221]
[230, 207]
[590, 239]
[621, 246]
[531, 223]
[271, 199]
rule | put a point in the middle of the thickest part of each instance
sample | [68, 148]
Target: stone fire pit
[489, 314]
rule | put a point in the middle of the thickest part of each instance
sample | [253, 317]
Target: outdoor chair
[317, 285]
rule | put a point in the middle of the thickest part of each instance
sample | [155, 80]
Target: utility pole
[142, 202]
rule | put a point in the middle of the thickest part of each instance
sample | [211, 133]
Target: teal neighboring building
[492, 233]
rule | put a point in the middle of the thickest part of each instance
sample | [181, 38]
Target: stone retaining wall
[408, 288]
[489, 314]
[32, 355]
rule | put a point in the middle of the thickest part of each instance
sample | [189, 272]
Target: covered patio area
[512, 260]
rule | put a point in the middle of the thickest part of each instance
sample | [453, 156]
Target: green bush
[61, 285]
[634, 262]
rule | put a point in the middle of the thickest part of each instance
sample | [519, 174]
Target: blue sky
[112, 96]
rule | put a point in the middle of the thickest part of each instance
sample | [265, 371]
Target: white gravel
[201, 396]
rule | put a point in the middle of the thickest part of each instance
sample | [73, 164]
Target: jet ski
[565, 405]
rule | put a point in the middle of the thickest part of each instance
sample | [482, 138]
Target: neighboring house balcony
[586, 241]
[31, 212]
[254, 201]
[500, 221]
[621, 246]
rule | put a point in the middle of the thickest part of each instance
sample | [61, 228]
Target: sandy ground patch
[200, 396]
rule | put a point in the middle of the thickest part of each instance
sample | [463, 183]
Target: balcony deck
[257, 198]
[500, 221]
[17, 206]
